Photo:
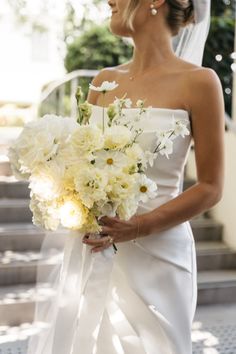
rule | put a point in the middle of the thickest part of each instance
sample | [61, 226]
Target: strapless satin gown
[153, 294]
[152, 286]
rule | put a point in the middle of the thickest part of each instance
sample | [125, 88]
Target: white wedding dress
[152, 288]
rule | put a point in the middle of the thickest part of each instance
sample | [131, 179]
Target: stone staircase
[216, 262]
[20, 243]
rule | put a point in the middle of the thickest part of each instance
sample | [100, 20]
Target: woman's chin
[119, 30]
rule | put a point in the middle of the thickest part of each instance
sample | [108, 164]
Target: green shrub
[95, 49]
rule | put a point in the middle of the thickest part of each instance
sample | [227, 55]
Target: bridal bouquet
[79, 171]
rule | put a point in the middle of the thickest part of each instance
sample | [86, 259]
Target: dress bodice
[168, 173]
[174, 245]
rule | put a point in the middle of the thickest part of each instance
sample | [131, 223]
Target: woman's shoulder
[198, 78]
[199, 75]
[106, 74]
[202, 80]
[109, 73]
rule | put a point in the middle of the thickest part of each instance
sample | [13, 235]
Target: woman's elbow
[214, 194]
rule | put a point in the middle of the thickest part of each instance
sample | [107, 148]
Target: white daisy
[147, 188]
[110, 159]
[105, 86]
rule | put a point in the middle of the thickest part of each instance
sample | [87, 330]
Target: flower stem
[156, 150]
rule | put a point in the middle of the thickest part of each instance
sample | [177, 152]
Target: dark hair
[181, 13]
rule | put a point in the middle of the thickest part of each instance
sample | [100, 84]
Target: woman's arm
[207, 112]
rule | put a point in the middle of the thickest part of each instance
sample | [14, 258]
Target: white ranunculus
[87, 138]
[147, 189]
[117, 137]
[91, 185]
[121, 186]
[110, 160]
[105, 86]
[45, 214]
[46, 181]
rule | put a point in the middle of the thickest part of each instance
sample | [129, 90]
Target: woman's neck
[151, 51]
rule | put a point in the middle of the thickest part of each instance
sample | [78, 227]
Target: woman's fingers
[106, 230]
[99, 249]
[97, 242]
[106, 220]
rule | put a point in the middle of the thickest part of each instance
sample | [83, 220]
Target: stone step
[214, 258]
[15, 211]
[16, 189]
[17, 303]
[21, 267]
[206, 229]
[203, 247]
[20, 237]
[24, 237]
[216, 287]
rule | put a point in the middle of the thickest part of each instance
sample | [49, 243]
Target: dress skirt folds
[141, 300]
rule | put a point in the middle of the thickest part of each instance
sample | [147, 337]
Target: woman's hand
[115, 230]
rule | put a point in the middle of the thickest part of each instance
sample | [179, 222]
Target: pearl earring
[153, 10]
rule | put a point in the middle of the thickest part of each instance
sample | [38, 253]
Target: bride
[152, 292]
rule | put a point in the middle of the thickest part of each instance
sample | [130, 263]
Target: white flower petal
[105, 86]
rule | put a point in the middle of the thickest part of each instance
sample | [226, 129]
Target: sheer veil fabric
[190, 42]
[72, 315]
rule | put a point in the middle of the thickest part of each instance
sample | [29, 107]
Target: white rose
[15, 165]
[87, 138]
[42, 140]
